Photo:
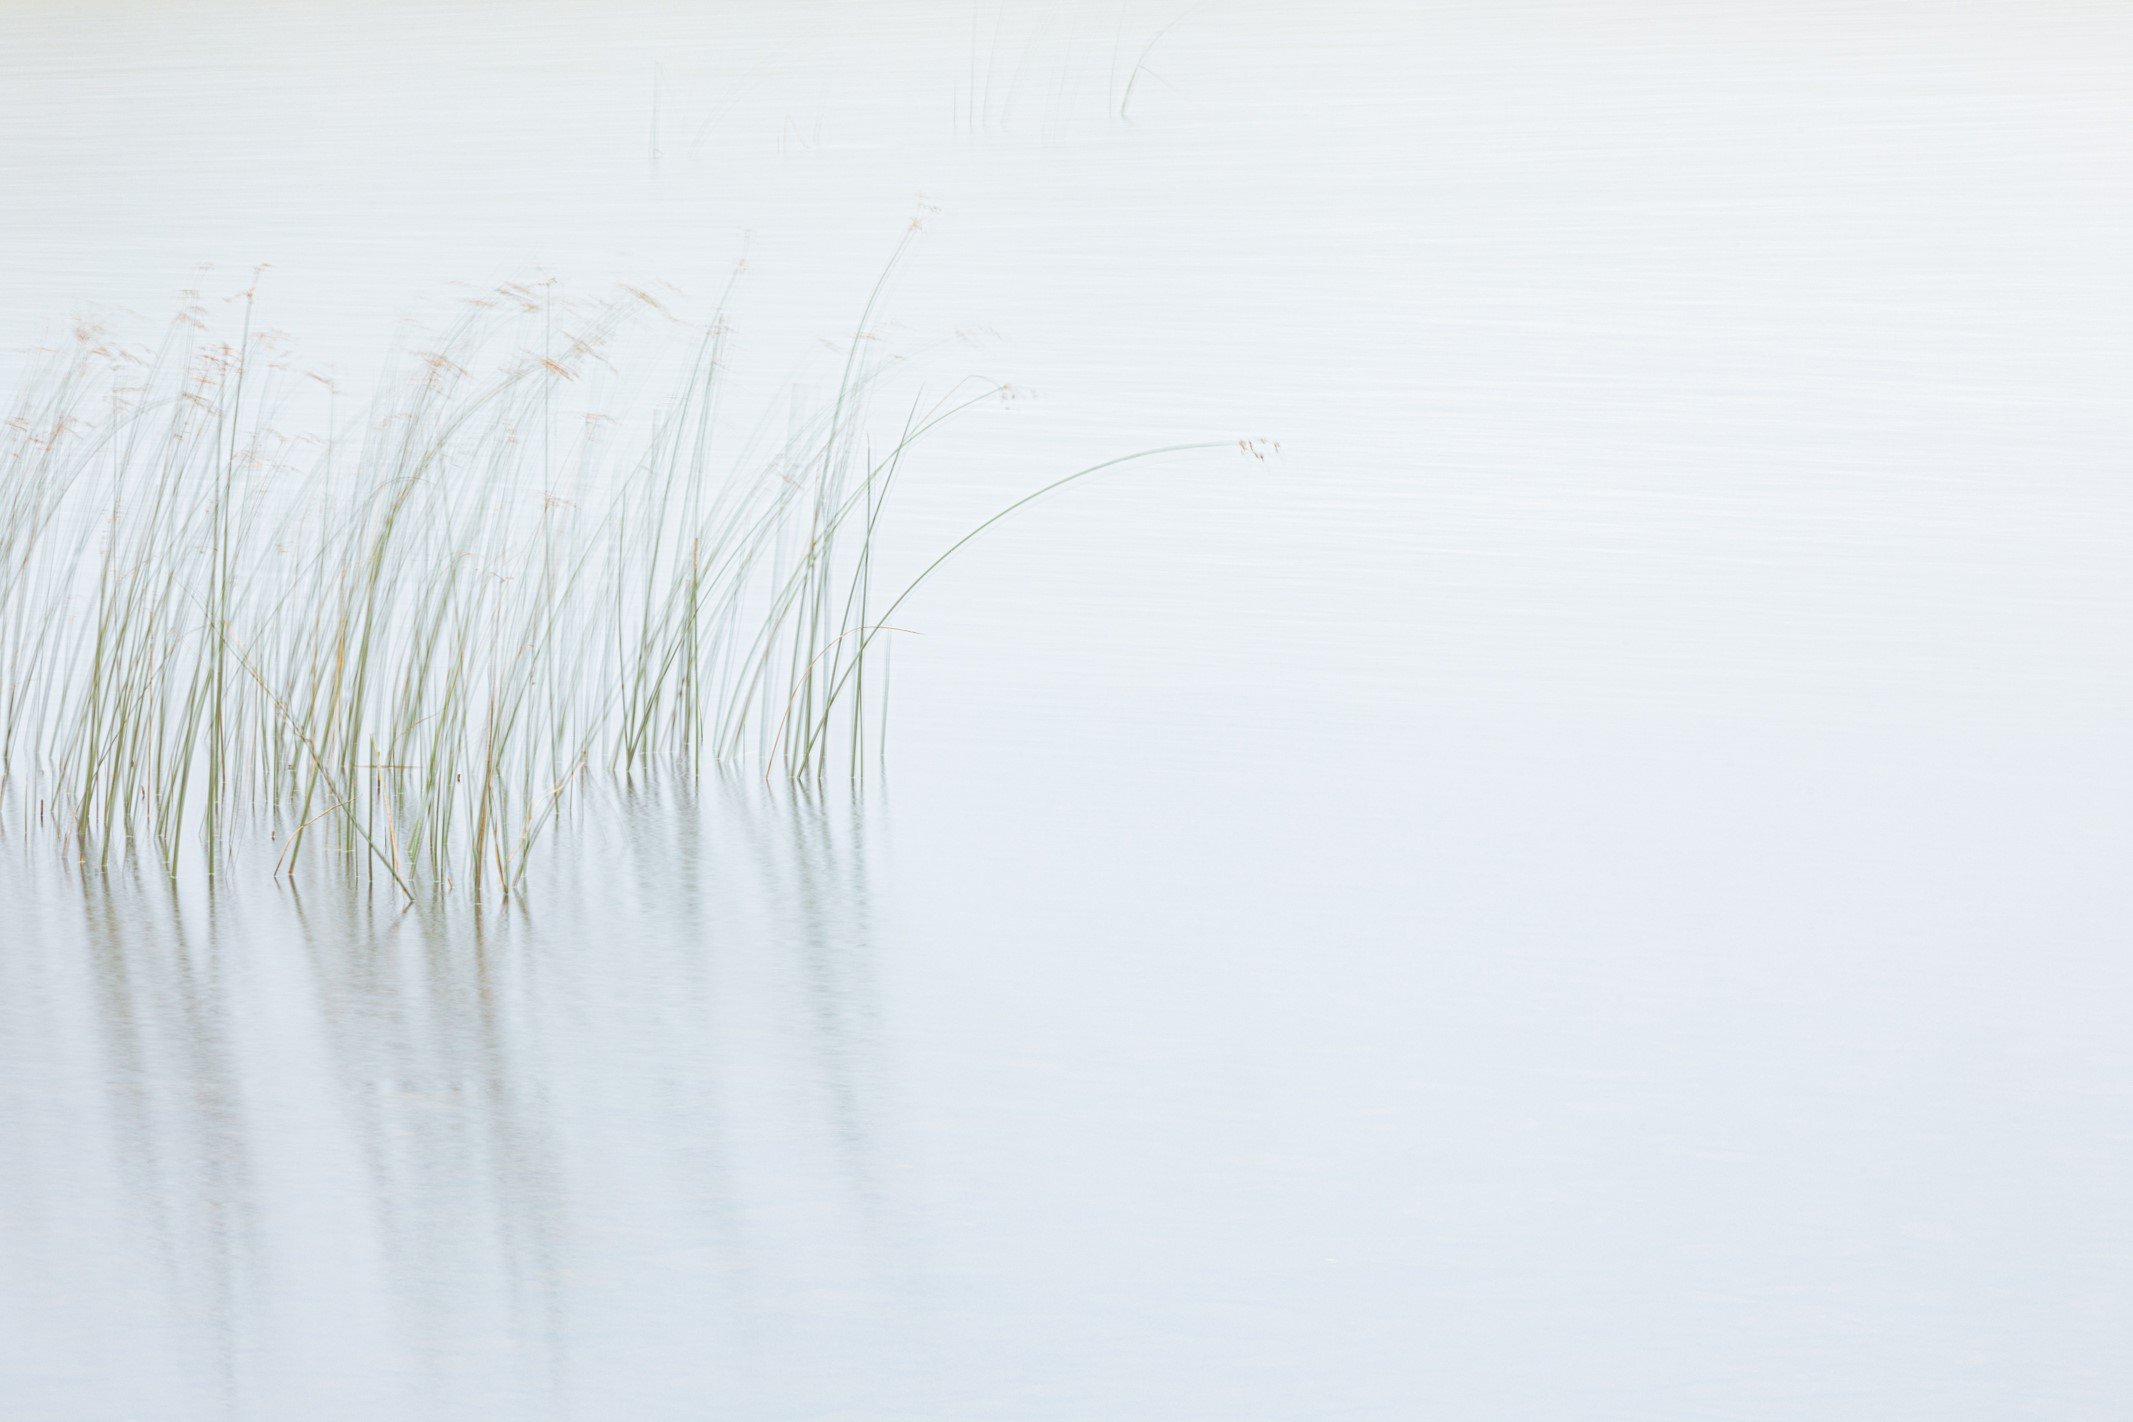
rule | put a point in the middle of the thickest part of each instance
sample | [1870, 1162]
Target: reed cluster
[402, 642]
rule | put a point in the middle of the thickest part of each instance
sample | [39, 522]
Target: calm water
[1591, 886]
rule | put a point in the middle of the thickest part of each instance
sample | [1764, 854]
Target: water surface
[1591, 885]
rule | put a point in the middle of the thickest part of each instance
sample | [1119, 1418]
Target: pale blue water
[1592, 886]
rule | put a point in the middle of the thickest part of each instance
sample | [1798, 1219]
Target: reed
[400, 644]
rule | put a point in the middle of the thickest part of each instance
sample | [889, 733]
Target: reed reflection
[475, 1161]
[167, 1008]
